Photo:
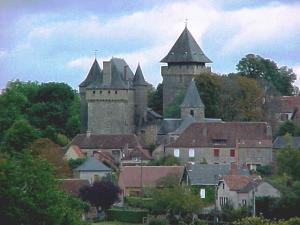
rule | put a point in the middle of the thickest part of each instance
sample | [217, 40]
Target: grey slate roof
[169, 125]
[184, 124]
[139, 77]
[282, 141]
[192, 98]
[92, 164]
[118, 68]
[204, 174]
[94, 74]
[186, 50]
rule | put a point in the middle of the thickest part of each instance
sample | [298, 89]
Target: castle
[114, 100]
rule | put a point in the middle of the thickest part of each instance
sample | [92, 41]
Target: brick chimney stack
[233, 168]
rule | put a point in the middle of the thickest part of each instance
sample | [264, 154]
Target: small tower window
[116, 92]
[100, 92]
[108, 92]
[192, 113]
[94, 92]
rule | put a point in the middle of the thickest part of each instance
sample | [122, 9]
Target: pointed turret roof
[186, 50]
[93, 75]
[139, 77]
[192, 98]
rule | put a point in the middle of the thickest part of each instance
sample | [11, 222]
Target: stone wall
[243, 156]
[110, 111]
[176, 79]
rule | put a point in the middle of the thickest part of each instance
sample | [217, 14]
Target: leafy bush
[254, 221]
[138, 202]
[127, 215]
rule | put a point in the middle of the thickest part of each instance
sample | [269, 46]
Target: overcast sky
[54, 40]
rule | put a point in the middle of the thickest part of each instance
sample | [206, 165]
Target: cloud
[145, 36]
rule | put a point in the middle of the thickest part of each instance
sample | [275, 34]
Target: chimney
[125, 73]
[107, 72]
[88, 133]
[233, 168]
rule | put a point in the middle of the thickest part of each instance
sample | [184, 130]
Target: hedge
[144, 203]
[127, 215]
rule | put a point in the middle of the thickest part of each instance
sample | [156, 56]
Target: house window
[176, 152]
[116, 92]
[94, 92]
[223, 201]
[244, 202]
[232, 153]
[191, 153]
[100, 92]
[216, 152]
[223, 186]
[108, 92]
[284, 116]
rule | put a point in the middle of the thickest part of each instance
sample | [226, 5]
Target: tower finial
[95, 53]
[186, 22]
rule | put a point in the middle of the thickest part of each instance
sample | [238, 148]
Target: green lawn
[114, 223]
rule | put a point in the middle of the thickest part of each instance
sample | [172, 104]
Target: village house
[120, 147]
[92, 169]
[74, 152]
[246, 143]
[240, 191]
[133, 179]
[282, 109]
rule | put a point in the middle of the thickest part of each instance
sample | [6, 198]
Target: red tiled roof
[203, 134]
[238, 182]
[286, 104]
[78, 151]
[72, 186]
[106, 141]
[130, 176]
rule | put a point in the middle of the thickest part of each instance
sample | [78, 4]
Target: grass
[114, 223]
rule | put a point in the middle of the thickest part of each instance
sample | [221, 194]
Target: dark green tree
[259, 68]
[288, 162]
[29, 194]
[155, 99]
[19, 136]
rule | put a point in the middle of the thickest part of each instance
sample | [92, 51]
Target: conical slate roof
[93, 75]
[192, 98]
[186, 50]
[139, 77]
[92, 164]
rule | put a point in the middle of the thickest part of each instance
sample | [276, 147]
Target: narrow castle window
[100, 92]
[192, 113]
[116, 92]
[108, 92]
[94, 92]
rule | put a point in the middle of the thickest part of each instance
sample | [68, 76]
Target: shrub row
[144, 203]
[127, 215]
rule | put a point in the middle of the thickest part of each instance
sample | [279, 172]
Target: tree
[155, 99]
[168, 160]
[19, 136]
[288, 127]
[102, 194]
[256, 67]
[209, 88]
[288, 162]
[29, 194]
[53, 153]
[173, 109]
[176, 201]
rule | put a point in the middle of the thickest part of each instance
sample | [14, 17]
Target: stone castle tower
[192, 104]
[113, 100]
[185, 61]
